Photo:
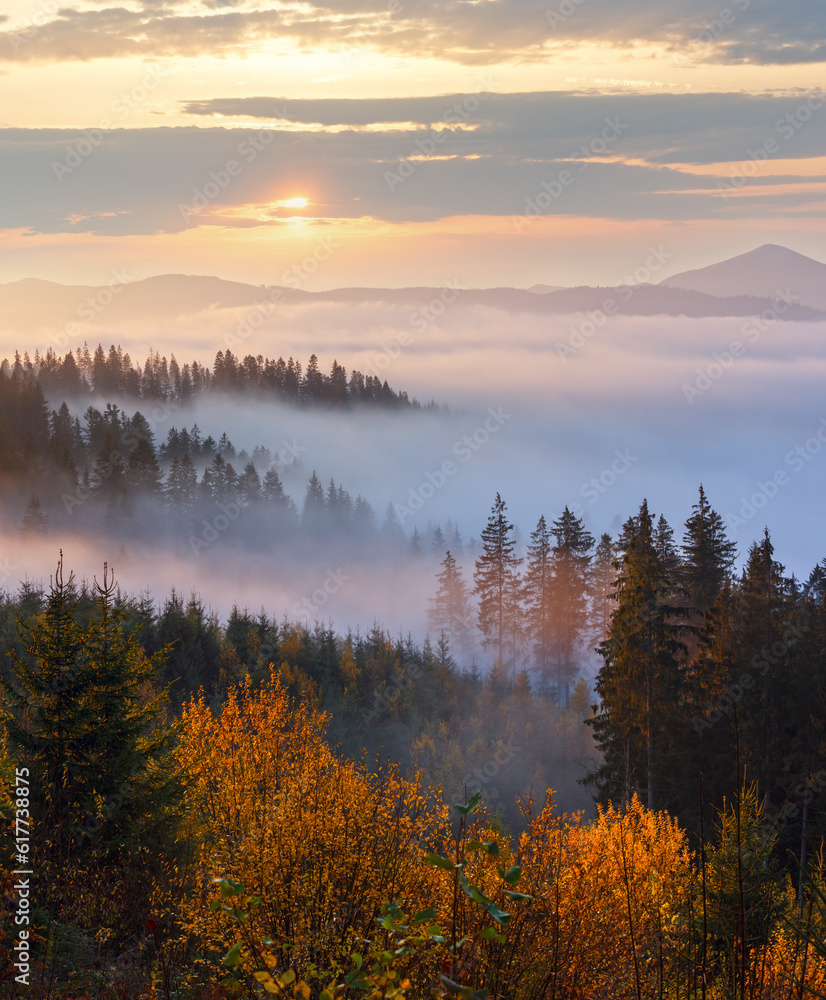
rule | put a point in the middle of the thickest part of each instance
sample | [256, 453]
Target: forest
[68, 451]
[262, 806]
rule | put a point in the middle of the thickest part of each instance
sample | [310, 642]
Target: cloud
[747, 31]
[616, 157]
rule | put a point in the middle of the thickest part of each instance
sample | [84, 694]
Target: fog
[590, 411]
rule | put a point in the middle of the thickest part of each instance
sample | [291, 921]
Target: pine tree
[638, 684]
[708, 556]
[539, 593]
[571, 572]
[103, 769]
[144, 473]
[392, 531]
[35, 522]
[498, 586]
[313, 514]
[603, 575]
[272, 492]
[415, 549]
[450, 611]
[251, 492]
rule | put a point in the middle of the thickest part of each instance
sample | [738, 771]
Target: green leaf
[498, 915]
[233, 956]
[229, 887]
[521, 897]
[424, 915]
[455, 987]
[286, 978]
[490, 846]
[471, 806]
[512, 875]
[440, 862]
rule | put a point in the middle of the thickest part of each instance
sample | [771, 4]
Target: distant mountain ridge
[741, 286]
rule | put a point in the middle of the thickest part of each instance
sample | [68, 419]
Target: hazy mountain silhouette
[759, 272]
[741, 286]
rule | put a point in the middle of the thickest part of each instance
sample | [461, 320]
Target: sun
[294, 203]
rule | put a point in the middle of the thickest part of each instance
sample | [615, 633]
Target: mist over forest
[563, 571]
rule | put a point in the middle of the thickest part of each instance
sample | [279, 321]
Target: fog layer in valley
[589, 410]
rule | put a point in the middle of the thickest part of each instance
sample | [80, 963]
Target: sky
[489, 142]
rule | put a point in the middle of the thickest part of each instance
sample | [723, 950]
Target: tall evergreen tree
[639, 681]
[708, 556]
[104, 772]
[571, 561]
[450, 612]
[498, 586]
[35, 522]
[539, 600]
[313, 514]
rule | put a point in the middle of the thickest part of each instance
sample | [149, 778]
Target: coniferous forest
[599, 773]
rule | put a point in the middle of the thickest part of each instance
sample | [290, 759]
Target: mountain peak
[762, 272]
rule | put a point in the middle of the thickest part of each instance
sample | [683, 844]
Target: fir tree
[450, 611]
[638, 684]
[35, 522]
[103, 768]
[313, 514]
[498, 585]
[571, 571]
[539, 589]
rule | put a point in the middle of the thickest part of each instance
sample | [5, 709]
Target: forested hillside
[241, 836]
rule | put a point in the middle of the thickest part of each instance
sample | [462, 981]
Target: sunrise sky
[489, 142]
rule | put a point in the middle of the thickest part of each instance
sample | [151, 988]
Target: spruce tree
[313, 514]
[84, 719]
[539, 593]
[35, 522]
[450, 612]
[603, 575]
[708, 556]
[498, 586]
[639, 681]
[571, 561]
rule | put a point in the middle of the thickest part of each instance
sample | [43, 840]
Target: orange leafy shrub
[321, 842]
[786, 968]
[608, 898]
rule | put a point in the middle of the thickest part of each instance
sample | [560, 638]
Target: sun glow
[294, 203]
